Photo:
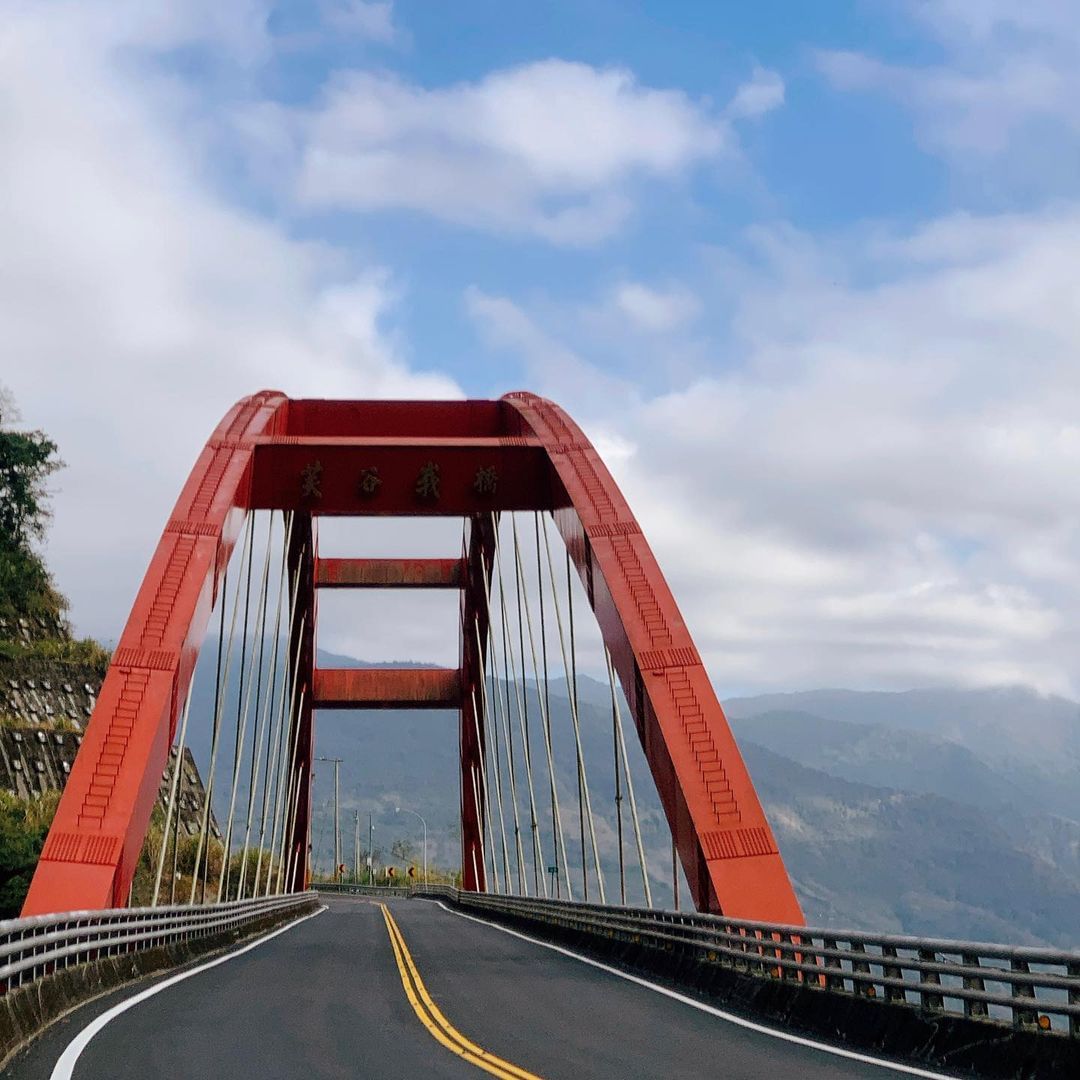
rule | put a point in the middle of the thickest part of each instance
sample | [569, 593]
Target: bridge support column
[302, 735]
[472, 733]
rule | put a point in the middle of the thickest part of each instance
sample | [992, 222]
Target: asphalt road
[325, 1000]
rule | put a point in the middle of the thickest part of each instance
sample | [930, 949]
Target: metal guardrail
[361, 890]
[37, 946]
[1030, 988]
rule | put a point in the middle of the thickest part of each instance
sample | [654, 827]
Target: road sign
[390, 870]
[412, 871]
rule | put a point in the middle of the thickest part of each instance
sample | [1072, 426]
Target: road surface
[329, 999]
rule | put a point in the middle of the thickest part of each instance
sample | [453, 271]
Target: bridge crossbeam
[389, 573]
[387, 688]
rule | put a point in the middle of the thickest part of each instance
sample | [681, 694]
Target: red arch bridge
[532, 963]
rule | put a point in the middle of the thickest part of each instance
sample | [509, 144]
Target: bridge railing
[1029, 988]
[42, 944]
[361, 890]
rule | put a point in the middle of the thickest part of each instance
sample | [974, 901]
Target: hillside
[892, 860]
[883, 827]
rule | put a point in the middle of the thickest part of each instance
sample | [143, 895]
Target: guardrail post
[783, 954]
[928, 1000]
[1022, 1017]
[861, 967]
[1073, 971]
[833, 982]
[892, 971]
[974, 1009]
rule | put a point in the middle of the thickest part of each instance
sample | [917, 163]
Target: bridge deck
[325, 1000]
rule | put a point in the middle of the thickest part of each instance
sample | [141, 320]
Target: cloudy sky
[806, 273]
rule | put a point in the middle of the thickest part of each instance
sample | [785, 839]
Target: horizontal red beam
[387, 688]
[388, 573]
[411, 476]
[461, 418]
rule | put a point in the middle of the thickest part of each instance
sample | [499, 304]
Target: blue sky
[823, 161]
[805, 272]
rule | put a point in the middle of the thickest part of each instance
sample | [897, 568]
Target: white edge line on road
[731, 1018]
[65, 1066]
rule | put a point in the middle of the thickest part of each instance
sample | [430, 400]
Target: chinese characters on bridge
[427, 486]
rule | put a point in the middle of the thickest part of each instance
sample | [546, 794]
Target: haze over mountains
[938, 812]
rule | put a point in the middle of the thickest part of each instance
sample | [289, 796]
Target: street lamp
[397, 810]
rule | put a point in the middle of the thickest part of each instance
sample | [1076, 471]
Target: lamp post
[397, 810]
[356, 847]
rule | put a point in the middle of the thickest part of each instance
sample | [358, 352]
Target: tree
[405, 850]
[27, 460]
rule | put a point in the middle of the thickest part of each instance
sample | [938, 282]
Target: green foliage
[27, 460]
[26, 589]
[23, 827]
[89, 656]
[182, 853]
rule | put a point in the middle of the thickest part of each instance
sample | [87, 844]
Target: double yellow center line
[437, 1024]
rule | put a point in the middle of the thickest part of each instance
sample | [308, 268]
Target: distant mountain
[883, 756]
[874, 858]
[890, 812]
[1030, 740]
[1013, 724]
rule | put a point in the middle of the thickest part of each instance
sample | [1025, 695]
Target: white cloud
[872, 484]
[550, 148]
[136, 306]
[364, 18]
[655, 309]
[552, 369]
[1009, 74]
[763, 93]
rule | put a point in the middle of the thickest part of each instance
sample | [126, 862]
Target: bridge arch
[480, 458]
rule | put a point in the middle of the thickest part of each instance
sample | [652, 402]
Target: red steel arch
[263, 456]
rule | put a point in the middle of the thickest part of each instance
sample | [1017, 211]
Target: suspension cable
[518, 696]
[277, 715]
[241, 707]
[557, 840]
[483, 746]
[493, 700]
[629, 781]
[526, 738]
[241, 734]
[526, 735]
[487, 835]
[290, 853]
[508, 743]
[545, 719]
[214, 740]
[570, 666]
[292, 814]
[283, 789]
[618, 778]
[479, 825]
[265, 728]
[171, 806]
[286, 709]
